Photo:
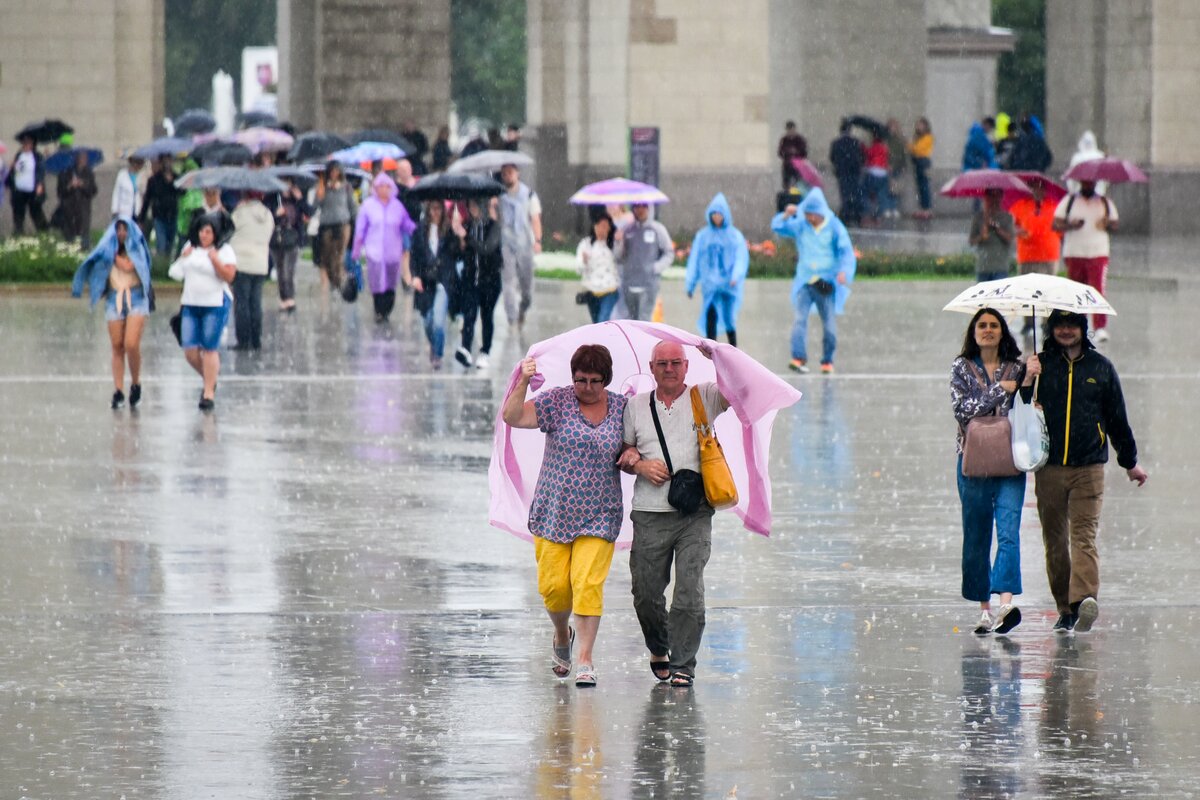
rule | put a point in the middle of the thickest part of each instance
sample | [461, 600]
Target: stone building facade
[97, 65]
[347, 64]
[719, 80]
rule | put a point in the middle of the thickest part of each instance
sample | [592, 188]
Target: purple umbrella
[1113, 170]
[807, 172]
[264, 140]
[618, 190]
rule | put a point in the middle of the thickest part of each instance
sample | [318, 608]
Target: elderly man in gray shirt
[663, 535]
[648, 251]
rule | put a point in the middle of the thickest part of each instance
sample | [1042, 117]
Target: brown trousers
[1068, 501]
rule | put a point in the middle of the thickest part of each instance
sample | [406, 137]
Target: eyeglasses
[589, 381]
[673, 364]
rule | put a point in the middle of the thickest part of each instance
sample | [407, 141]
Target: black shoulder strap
[1070, 202]
[662, 440]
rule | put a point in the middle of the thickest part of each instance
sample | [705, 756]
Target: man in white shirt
[1086, 219]
[27, 182]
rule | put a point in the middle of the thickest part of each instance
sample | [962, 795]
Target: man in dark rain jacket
[1081, 397]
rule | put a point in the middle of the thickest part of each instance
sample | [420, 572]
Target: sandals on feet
[585, 676]
[561, 657]
[661, 670]
[682, 679]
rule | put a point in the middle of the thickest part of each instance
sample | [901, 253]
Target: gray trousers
[660, 537]
[517, 282]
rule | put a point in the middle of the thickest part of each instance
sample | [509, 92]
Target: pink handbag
[987, 445]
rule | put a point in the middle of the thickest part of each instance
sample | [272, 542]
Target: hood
[135, 240]
[815, 203]
[976, 133]
[1037, 126]
[1002, 122]
[1087, 143]
[721, 205]
[383, 179]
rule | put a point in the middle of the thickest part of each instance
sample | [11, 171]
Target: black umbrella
[455, 187]
[257, 119]
[301, 177]
[47, 130]
[194, 121]
[218, 152]
[380, 135]
[869, 124]
[234, 179]
[316, 144]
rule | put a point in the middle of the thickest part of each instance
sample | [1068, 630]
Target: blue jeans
[987, 502]
[601, 308]
[880, 192]
[435, 321]
[921, 169]
[164, 236]
[805, 298]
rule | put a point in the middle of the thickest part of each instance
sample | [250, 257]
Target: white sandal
[585, 676]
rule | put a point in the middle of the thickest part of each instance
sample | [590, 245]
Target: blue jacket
[979, 152]
[820, 252]
[719, 257]
[94, 270]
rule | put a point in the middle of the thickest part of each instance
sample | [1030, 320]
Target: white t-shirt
[201, 286]
[25, 172]
[679, 430]
[1089, 241]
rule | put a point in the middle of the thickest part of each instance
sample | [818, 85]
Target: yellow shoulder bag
[719, 488]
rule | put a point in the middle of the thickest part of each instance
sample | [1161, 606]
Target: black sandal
[682, 679]
[661, 666]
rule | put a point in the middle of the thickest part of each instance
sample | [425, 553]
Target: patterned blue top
[578, 491]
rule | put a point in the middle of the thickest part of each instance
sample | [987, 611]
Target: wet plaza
[299, 594]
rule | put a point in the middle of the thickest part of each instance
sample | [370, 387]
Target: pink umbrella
[1053, 191]
[976, 182]
[264, 140]
[755, 395]
[618, 190]
[1113, 170]
[808, 172]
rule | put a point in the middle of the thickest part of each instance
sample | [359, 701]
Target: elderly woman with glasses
[576, 512]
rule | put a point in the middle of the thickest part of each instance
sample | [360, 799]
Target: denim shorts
[201, 326]
[137, 304]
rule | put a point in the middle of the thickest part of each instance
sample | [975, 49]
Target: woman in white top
[596, 260]
[206, 269]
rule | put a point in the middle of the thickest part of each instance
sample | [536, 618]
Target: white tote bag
[1030, 438]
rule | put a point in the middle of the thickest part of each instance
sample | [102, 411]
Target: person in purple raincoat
[379, 234]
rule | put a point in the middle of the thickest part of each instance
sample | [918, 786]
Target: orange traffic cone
[657, 316]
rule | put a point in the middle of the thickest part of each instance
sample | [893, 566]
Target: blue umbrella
[164, 146]
[63, 160]
[368, 151]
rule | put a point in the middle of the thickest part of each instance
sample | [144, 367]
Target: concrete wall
[959, 91]
[347, 64]
[958, 13]
[1175, 83]
[96, 65]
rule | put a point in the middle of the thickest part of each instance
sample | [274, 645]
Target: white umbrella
[489, 161]
[1033, 295]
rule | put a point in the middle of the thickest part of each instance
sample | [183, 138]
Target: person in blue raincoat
[718, 262]
[825, 266]
[979, 152]
[119, 270]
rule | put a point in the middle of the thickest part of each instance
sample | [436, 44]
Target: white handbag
[1030, 438]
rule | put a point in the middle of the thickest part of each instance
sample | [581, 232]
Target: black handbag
[176, 323]
[687, 486]
[583, 298]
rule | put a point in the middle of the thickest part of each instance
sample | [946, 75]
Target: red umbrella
[808, 172]
[977, 182]
[1052, 189]
[1113, 170]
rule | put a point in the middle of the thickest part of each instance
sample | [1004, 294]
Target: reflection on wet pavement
[299, 595]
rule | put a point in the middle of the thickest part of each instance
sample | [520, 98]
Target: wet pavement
[299, 595]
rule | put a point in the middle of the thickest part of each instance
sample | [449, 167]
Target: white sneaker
[481, 362]
[985, 624]
[1101, 335]
[1089, 609]
[1008, 618]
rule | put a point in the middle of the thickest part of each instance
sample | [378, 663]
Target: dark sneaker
[1089, 609]
[1008, 618]
[207, 404]
[463, 356]
[118, 399]
[135, 395]
[798, 365]
[1066, 622]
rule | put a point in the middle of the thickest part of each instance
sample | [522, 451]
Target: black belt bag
[687, 486]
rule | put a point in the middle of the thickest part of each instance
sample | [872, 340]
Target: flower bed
[48, 259]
